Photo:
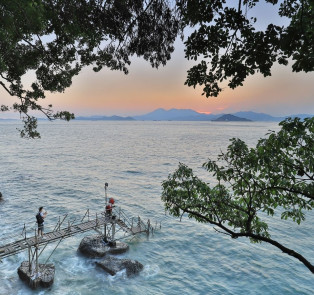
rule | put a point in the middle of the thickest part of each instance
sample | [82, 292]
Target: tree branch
[290, 190]
[281, 247]
[6, 89]
[256, 237]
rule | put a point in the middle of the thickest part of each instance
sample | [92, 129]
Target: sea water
[65, 171]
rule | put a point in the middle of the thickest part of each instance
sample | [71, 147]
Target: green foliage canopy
[229, 44]
[275, 176]
[55, 39]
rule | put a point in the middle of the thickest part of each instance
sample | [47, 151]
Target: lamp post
[106, 185]
[105, 221]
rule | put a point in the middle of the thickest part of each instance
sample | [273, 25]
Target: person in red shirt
[110, 206]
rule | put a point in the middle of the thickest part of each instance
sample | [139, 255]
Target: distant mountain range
[191, 115]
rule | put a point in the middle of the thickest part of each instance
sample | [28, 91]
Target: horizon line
[167, 110]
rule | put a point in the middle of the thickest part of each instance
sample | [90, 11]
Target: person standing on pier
[109, 207]
[41, 215]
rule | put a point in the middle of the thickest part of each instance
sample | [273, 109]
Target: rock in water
[112, 265]
[44, 277]
[94, 246]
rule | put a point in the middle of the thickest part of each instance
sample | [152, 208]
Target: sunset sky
[145, 89]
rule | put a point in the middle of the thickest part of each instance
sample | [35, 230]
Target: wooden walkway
[96, 224]
[131, 230]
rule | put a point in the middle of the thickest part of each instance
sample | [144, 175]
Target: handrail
[87, 212]
[27, 229]
[122, 216]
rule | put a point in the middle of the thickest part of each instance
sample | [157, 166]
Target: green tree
[275, 177]
[229, 46]
[55, 39]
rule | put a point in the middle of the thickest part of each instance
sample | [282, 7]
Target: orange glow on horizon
[145, 90]
[204, 112]
[220, 108]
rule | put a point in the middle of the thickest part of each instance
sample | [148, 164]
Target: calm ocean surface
[65, 172]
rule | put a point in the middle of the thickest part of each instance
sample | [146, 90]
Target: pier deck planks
[20, 245]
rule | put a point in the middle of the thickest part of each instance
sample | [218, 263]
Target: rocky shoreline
[94, 246]
[91, 247]
[112, 265]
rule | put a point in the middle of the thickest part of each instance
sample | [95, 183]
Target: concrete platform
[44, 278]
[94, 246]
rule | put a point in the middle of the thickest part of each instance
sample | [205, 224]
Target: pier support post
[29, 259]
[105, 232]
[148, 227]
[113, 230]
[36, 253]
[139, 223]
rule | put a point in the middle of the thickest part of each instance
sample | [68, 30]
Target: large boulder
[112, 265]
[94, 246]
[44, 277]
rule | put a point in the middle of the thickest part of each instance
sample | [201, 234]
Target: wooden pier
[108, 223]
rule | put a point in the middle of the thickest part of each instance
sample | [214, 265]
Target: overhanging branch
[256, 237]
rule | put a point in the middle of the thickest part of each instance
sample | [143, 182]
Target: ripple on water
[135, 157]
[150, 271]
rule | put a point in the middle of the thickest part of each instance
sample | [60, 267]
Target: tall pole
[106, 185]
[105, 221]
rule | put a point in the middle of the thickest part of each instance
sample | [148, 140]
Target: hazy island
[231, 118]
